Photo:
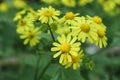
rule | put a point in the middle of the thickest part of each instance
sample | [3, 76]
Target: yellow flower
[51, 1]
[84, 2]
[62, 29]
[76, 61]
[102, 39]
[48, 1]
[18, 15]
[111, 5]
[69, 3]
[3, 7]
[65, 47]
[84, 30]
[48, 15]
[90, 65]
[97, 19]
[31, 36]
[117, 2]
[69, 18]
[19, 3]
[25, 22]
[32, 15]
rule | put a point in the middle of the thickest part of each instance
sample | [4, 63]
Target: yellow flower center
[97, 19]
[22, 22]
[75, 59]
[101, 33]
[65, 47]
[69, 1]
[48, 13]
[30, 35]
[35, 14]
[85, 28]
[69, 15]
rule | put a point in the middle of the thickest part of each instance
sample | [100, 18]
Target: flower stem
[46, 67]
[37, 68]
[51, 32]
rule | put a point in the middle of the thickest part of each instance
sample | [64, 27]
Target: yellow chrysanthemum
[62, 29]
[84, 30]
[113, 8]
[19, 3]
[25, 22]
[48, 1]
[102, 39]
[111, 5]
[117, 2]
[31, 36]
[18, 15]
[21, 25]
[65, 47]
[96, 21]
[48, 15]
[70, 18]
[76, 61]
[51, 1]
[69, 3]
[32, 16]
[3, 7]
[90, 65]
[84, 2]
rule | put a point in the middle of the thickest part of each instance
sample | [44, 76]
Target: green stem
[46, 67]
[51, 32]
[112, 68]
[37, 68]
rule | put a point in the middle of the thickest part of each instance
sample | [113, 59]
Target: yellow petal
[100, 43]
[74, 66]
[56, 44]
[69, 58]
[26, 41]
[61, 59]
[57, 54]
[73, 53]
[68, 38]
[73, 40]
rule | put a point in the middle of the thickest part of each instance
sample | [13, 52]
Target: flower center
[48, 13]
[22, 22]
[97, 19]
[69, 15]
[85, 28]
[30, 35]
[69, 1]
[65, 47]
[101, 33]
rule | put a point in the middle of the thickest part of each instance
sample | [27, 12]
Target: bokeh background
[18, 62]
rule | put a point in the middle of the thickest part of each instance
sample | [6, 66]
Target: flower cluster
[68, 3]
[113, 8]
[110, 6]
[3, 7]
[72, 30]
[26, 27]
[18, 4]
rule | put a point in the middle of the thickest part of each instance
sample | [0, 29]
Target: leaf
[57, 72]
[115, 42]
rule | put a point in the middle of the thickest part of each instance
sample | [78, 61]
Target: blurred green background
[18, 62]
